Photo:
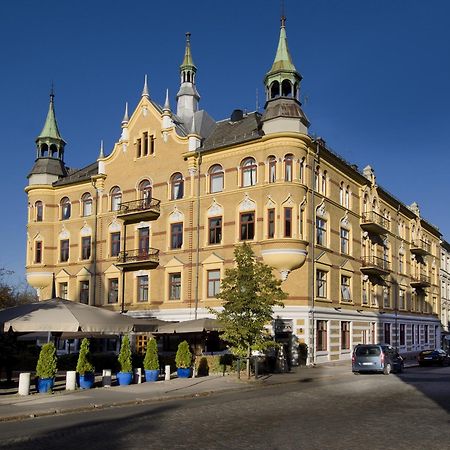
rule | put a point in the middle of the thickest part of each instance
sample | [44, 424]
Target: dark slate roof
[227, 132]
[52, 166]
[77, 176]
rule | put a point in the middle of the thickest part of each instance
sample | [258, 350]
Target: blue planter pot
[151, 375]
[86, 381]
[183, 373]
[45, 385]
[124, 378]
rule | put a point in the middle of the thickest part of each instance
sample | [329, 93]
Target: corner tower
[283, 110]
[187, 96]
[49, 164]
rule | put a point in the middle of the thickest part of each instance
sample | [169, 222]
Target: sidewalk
[15, 407]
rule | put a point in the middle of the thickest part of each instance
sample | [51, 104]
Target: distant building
[151, 227]
[445, 285]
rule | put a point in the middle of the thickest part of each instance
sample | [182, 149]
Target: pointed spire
[188, 62]
[283, 61]
[166, 103]
[50, 129]
[125, 116]
[145, 89]
[102, 154]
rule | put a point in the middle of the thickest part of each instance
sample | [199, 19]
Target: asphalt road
[409, 411]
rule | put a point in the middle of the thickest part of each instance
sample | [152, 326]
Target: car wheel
[387, 369]
[355, 372]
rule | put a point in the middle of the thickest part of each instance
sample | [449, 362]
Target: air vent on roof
[237, 115]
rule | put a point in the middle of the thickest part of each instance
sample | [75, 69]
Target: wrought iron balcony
[138, 259]
[373, 265]
[137, 210]
[374, 223]
[420, 247]
[420, 281]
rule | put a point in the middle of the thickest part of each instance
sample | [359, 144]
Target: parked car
[376, 358]
[429, 357]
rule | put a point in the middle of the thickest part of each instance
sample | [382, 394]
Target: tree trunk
[248, 361]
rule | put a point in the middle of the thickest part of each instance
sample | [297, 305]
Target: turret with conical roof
[187, 96]
[282, 85]
[49, 163]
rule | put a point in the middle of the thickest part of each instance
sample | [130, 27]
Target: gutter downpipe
[197, 255]
[312, 353]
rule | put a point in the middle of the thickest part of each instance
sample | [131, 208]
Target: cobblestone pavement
[331, 410]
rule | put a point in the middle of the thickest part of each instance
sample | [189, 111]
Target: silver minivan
[376, 358]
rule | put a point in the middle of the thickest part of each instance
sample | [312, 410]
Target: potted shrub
[85, 368]
[183, 360]
[126, 368]
[46, 368]
[151, 362]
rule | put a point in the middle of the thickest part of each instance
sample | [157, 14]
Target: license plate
[428, 357]
[367, 364]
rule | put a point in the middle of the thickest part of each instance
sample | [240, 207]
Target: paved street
[341, 411]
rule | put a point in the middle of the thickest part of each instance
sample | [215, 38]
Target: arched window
[323, 186]
[249, 168]
[145, 191]
[65, 208]
[301, 172]
[286, 88]
[347, 197]
[86, 204]
[53, 151]
[39, 209]
[116, 198]
[216, 178]
[288, 163]
[44, 151]
[272, 169]
[365, 203]
[341, 193]
[275, 89]
[176, 186]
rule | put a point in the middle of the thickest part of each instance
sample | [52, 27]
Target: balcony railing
[420, 247]
[375, 265]
[421, 280]
[138, 258]
[146, 208]
[374, 222]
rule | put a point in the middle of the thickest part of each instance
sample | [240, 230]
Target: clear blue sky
[376, 79]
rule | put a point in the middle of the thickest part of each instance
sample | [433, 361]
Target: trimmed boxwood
[183, 358]
[125, 356]
[84, 363]
[151, 361]
[47, 363]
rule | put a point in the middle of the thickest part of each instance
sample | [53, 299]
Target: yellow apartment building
[149, 228]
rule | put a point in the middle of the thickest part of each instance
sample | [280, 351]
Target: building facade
[149, 228]
[445, 286]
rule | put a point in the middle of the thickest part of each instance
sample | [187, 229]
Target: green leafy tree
[84, 358]
[183, 358]
[151, 361]
[125, 356]
[248, 292]
[14, 295]
[46, 365]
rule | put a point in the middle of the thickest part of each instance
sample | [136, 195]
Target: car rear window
[368, 351]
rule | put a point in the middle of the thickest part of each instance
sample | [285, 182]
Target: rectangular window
[287, 222]
[321, 284]
[345, 248]
[365, 293]
[85, 247]
[145, 139]
[176, 235]
[113, 290]
[345, 288]
[115, 243]
[175, 286]
[321, 231]
[401, 262]
[402, 334]
[63, 290]
[142, 283]
[247, 226]
[64, 250]
[138, 148]
[215, 230]
[425, 334]
[413, 334]
[143, 241]
[213, 283]
[401, 299]
[38, 252]
[152, 144]
[271, 223]
[39, 212]
[386, 297]
[345, 335]
[84, 292]
[417, 334]
[387, 333]
[321, 336]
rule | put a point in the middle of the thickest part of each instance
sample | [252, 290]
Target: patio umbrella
[58, 315]
[191, 326]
